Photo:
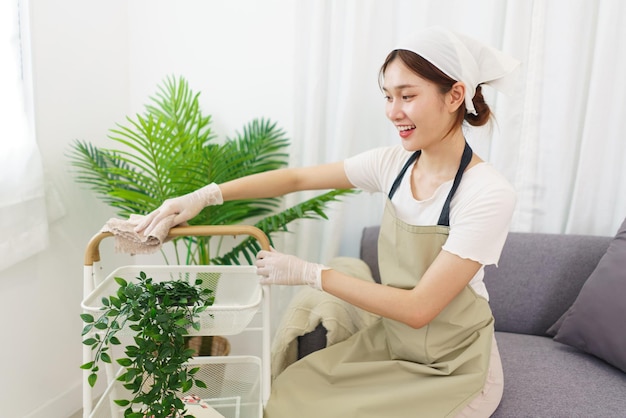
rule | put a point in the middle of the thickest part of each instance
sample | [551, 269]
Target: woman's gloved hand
[278, 268]
[184, 207]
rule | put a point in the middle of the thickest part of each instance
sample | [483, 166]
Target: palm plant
[170, 150]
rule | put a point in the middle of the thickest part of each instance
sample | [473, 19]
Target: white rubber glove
[278, 268]
[184, 207]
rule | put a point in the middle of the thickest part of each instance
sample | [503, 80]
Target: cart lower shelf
[233, 388]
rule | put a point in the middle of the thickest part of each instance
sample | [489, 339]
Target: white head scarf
[464, 59]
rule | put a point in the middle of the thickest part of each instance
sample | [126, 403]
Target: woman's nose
[394, 110]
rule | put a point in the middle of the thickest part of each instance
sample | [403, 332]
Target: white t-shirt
[480, 211]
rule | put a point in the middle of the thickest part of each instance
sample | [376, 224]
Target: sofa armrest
[369, 249]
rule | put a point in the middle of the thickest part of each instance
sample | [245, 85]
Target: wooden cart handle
[92, 253]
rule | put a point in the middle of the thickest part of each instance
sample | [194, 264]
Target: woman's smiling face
[416, 107]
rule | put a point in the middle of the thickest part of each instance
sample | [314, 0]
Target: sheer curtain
[338, 106]
[558, 139]
[23, 219]
[580, 175]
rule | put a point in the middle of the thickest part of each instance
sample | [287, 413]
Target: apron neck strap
[406, 166]
[444, 218]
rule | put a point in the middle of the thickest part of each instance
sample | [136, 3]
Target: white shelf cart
[238, 386]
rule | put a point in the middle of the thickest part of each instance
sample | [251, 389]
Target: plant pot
[208, 345]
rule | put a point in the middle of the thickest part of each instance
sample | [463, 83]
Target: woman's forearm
[283, 181]
[386, 301]
[268, 184]
[416, 307]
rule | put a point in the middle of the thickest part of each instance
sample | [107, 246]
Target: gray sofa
[538, 278]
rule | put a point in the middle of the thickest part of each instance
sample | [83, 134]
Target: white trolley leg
[91, 278]
[266, 369]
[88, 286]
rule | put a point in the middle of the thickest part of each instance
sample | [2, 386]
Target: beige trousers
[488, 399]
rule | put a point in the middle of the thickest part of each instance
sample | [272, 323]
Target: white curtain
[558, 139]
[338, 105]
[580, 179]
[23, 219]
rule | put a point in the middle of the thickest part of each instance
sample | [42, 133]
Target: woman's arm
[280, 182]
[416, 307]
[268, 184]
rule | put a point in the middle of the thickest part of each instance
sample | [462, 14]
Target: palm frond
[309, 209]
[264, 144]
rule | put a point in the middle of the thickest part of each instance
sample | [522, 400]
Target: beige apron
[389, 369]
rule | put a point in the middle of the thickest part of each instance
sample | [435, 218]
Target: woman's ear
[456, 96]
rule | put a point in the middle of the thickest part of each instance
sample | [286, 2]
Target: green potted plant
[155, 367]
[170, 150]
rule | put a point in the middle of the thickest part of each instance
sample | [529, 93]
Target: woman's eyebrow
[400, 87]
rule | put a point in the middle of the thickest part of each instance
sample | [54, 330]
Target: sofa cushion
[596, 321]
[548, 379]
[538, 278]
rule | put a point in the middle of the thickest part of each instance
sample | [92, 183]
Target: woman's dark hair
[425, 69]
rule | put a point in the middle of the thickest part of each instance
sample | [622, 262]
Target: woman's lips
[405, 133]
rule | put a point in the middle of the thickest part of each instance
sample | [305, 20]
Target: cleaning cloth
[129, 241]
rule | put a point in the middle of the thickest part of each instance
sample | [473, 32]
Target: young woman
[433, 352]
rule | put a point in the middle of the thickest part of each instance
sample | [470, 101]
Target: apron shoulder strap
[444, 218]
[398, 180]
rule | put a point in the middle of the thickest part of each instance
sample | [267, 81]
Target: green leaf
[182, 322]
[125, 362]
[187, 384]
[120, 281]
[87, 366]
[116, 302]
[122, 402]
[90, 341]
[105, 357]
[169, 369]
[87, 318]
[86, 330]
[91, 379]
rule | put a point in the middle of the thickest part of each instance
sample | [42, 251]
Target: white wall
[237, 53]
[93, 64]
